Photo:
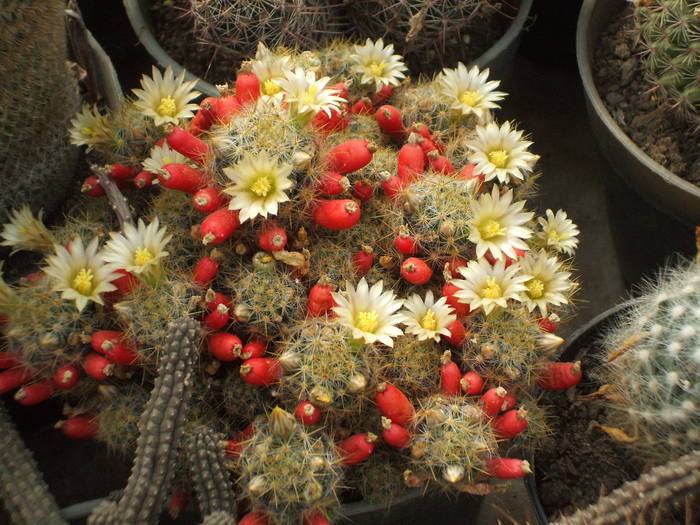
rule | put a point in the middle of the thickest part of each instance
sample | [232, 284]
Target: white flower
[469, 92]
[165, 98]
[8, 297]
[378, 64]
[162, 155]
[500, 152]
[80, 273]
[559, 232]
[489, 286]
[369, 312]
[547, 283]
[258, 185]
[270, 69]
[306, 96]
[427, 319]
[88, 127]
[138, 250]
[496, 224]
[26, 232]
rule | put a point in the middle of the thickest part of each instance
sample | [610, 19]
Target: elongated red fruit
[452, 264]
[390, 120]
[405, 243]
[79, 427]
[440, 163]
[395, 435]
[392, 403]
[331, 184]
[8, 359]
[494, 400]
[411, 160]
[247, 88]
[416, 271]
[457, 333]
[225, 346]
[261, 371]
[120, 172]
[217, 319]
[144, 179]
[214, 299]
[272, 237]
[549, 324]
[459, 308]
[356, 448]
[254, 348]
[123, 352]
[471, 383]
[363, 260]
[207, 200]
[13, 378]
[362, 107]
[362, 190]
[190, 146]
[450, 375]
[205, 270]
[316, 517]
[219, 226]
[320, 299]
[35, 393]
[560, 376]
[177, 503]
[307, 413]
[254, 518]
[507, 468]
[492, 260]
[324, 123]
[97, 366]
[104, 340]
[350, 156]
[511, 423]
[181, 177]
[383, 94]
[91, 187]
[203, 119]
[392, 186]
[224, 108]
[336, 214]
[66, 376]
[125, 283]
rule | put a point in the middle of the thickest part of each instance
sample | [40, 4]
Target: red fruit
[91, 187]
[233, 449]
[254, 518]
[203, 119]
[404, 243]
[97, 366]
[440, 163]
[247, 88]
[392, 403]
[471, 383]
[35, 393]
[338, 214]
[219, 226]
[363, 260]
[187, 144]
[361, 107]
[448, 291]
[320, 299]
[510, 424]
[205, 271]
[324, 123]
[356, 448]
[225, 346]
[549, 324]
[214, 299]
[218, 318]
[126, 283]
[416, 271]
[120, 172]
[207, 200]
[246, 433]
[350, 156]
[450, 375]
[492, 260]
[225, 107]
[332, 184]
[66, 376]
[457, 333]
[307, 413]
[123, 353]
[467, 173]
[144, 179]
[8, 359]
[79, 427]
[395, 435]
[261, 371]
[507, 468]
[411, 161]
[362, 190]
[104, 340]
[559, 376]
[428, 145]
[272, 237]
[383, 94]
[390, 120]
[181, 177]
[392, 186]
[255, 348]
[452, 264]
[342, 89]
[316, 517]
[177, 503]
[495, 400]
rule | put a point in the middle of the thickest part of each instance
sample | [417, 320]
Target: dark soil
[626, 93]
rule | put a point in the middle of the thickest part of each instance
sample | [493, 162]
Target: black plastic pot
[662, 189]
[499, 57]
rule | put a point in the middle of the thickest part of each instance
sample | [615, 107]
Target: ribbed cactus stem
[209, 476]
[22, 488]
[219, 518]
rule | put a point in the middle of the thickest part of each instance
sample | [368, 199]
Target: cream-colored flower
[559, 232]
[162, 155]
[427, 319]
[165, 98]
[79, 272]
[26, 232]
[306, 96]
[486, 286]
[370, 313]
[547, 283]
[378, 64]
[259, 185]
[8, 297]
[497, 224]
[469, 92]
[139, 250]
[88, 127]
[500, 152]
[270, 68]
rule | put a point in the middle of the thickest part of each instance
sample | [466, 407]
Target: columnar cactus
[209, 474]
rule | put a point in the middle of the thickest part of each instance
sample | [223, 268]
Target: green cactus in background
[669, 34]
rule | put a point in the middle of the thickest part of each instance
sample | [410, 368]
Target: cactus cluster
[377, 303]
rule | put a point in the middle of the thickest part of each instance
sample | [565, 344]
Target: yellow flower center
[367, 321]
[167, 107]
[554, 236]
[88, 132]
[142, 256]
[429, 322]
[82, 282]
[490, 229]
[376, 69]
[262, 185]
[310, 96]
[535, 288]
[270, 87]
[492, 290]
[499, 158]
[470, 98]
